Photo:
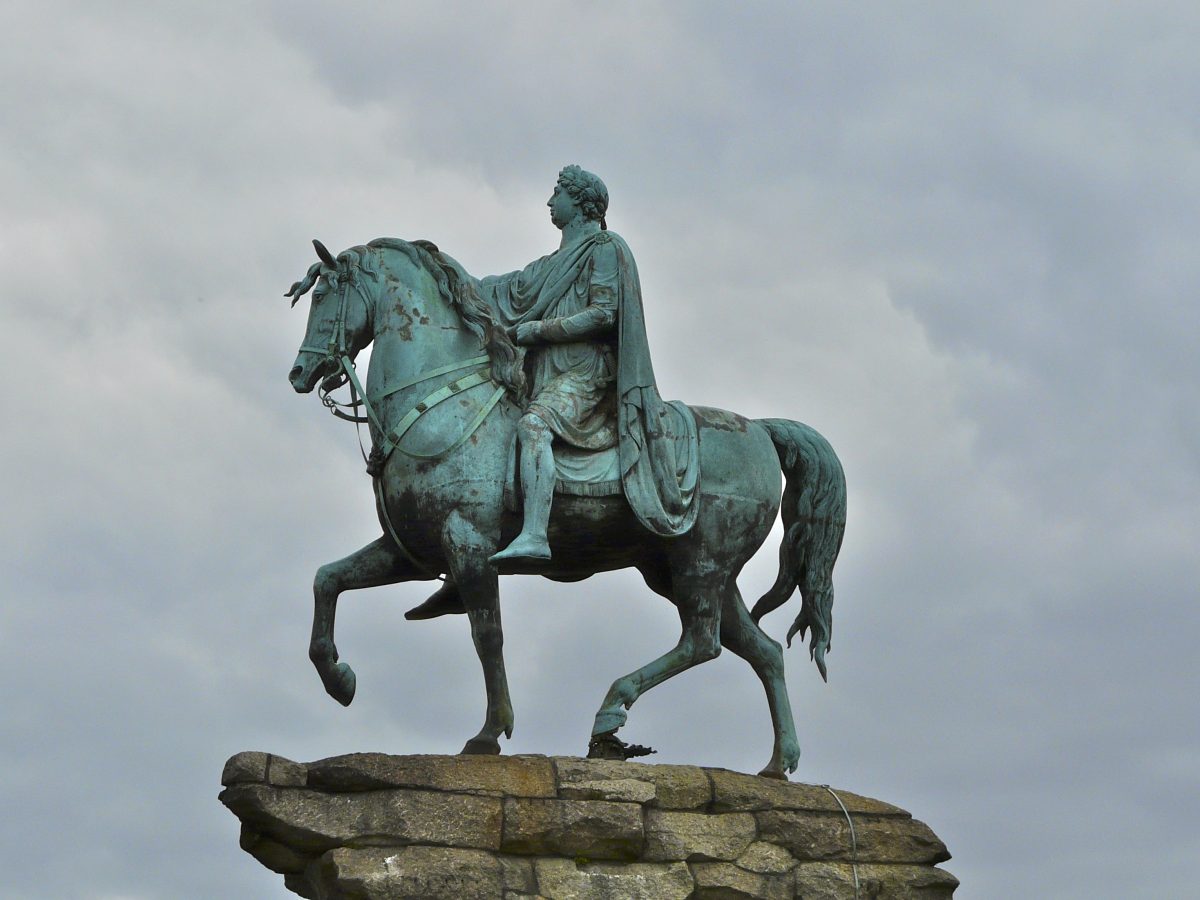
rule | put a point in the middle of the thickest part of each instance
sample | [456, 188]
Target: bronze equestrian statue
[516, 426]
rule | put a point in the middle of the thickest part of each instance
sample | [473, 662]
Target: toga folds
[592, 381]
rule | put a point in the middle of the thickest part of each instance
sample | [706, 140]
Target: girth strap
[391, 440]
[433, 373]
[497, 395]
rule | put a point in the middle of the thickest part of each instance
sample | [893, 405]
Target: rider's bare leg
[537, 488]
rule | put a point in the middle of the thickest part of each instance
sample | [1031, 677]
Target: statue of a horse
[440, 401]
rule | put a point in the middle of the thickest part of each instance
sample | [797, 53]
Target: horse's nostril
[295, 373]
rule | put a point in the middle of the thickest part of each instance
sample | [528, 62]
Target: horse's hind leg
[376, 564]
[743, 636]
[698, 600]
[468, 549]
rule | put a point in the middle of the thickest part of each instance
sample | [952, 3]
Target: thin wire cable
[853, 838]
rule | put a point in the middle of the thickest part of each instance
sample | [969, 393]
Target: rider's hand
[527, 333]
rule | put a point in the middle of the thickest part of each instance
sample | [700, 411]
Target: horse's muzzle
[304, 378]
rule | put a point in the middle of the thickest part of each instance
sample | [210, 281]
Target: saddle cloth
[597, 473]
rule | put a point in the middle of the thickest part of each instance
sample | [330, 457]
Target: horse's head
[339, 317]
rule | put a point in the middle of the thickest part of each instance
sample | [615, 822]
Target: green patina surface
[477, 383]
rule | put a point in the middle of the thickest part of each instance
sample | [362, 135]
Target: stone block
[285, 773]
[513, 776]
[275, 856]
[826, 836]
[675, 787]
[624, 790]
[563, 879]
[593, 829]
[248, 767]
[372, 827]
[912, 882]
[735, 791]
[263, 768]
[410, 873]
[312, 821]
[518, 874]
[835, 881]
[766, 858]
[298, 883]
[725, 881]
[672, 835]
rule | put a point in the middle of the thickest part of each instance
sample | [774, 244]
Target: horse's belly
[595, 533]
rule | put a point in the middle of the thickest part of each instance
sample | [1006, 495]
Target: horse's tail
[814, 519]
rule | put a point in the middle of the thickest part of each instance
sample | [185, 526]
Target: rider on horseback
[579, 311]
[566, 307]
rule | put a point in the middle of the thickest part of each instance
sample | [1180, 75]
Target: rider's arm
[599, 319]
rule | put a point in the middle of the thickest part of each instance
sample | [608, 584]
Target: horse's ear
[324, 254]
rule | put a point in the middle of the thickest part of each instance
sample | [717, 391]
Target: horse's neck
[416, 331]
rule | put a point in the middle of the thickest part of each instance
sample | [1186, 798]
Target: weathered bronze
[521, 412]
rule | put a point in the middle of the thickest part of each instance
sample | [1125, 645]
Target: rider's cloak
[660, 487]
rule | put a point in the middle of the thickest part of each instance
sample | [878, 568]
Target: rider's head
[587, 190]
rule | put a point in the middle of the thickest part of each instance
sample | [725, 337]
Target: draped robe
[580, 293]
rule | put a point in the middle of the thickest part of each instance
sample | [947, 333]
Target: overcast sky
[961, 243]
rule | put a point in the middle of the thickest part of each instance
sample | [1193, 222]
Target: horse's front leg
[467, 549]
[376, 564]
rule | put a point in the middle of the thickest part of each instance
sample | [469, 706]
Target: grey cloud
[970, 233]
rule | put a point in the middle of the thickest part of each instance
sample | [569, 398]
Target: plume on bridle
[305, 284]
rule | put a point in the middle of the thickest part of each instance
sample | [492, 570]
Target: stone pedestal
[374, 827]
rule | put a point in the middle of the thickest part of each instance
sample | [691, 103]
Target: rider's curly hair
[587, 190]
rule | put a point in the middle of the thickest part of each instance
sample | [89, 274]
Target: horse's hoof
[609, 746]
[341, 684]
[482, 746]
[770, 772]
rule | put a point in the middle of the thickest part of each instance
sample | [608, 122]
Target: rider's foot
[445, 601]
[525, 547]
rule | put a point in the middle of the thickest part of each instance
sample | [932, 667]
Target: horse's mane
[507, 360]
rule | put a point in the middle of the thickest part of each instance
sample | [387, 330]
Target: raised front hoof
[482, 746]
[340, 683]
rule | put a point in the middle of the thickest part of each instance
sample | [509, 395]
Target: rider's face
[563, 207]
